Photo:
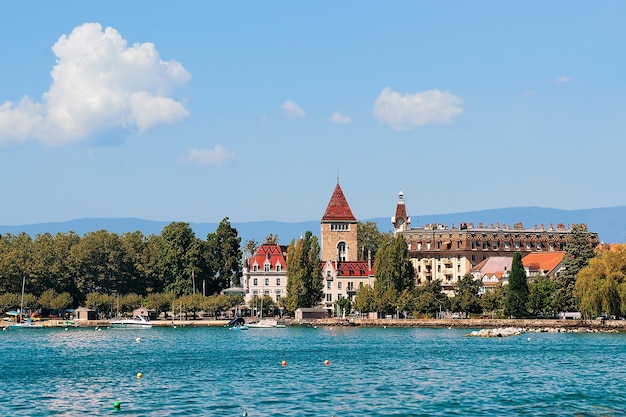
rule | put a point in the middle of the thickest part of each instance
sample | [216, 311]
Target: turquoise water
[372, 372]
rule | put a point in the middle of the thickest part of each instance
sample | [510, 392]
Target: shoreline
[534, 324]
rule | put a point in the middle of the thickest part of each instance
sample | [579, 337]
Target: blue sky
[250, 110]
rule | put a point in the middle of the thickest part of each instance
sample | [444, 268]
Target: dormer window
[278, 267]
[267, 267]
[255, 268]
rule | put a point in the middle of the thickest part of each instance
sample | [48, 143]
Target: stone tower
[338, 229]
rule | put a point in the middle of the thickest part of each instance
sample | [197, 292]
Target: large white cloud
[403, 112]
[98, 83]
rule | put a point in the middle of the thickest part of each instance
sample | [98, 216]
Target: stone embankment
[528, 324]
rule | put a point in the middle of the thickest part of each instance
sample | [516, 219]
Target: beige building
[265, 273]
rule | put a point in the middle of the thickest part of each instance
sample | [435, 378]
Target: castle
[438, 252]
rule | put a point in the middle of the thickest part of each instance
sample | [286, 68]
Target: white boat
[21, 322]
[265, 324]
[137, 322]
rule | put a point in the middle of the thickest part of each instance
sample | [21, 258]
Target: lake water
[372, 372]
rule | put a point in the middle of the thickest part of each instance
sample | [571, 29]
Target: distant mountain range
[609, 223]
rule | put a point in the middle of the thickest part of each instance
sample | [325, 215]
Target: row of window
[350, 286]
[255, 281]
[495, 245]
[340, 226]
[267, 267]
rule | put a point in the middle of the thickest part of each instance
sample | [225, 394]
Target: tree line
[176, 262]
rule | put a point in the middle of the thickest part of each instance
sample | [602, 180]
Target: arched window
[342, 251]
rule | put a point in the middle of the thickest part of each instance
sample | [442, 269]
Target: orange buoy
[284, 363]
[326, 362]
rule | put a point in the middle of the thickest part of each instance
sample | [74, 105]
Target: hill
[609, 223]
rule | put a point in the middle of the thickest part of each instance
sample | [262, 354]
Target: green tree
[224, 246]
[601, 285]
[364, 299]
[430, 300]
[178, 257]
[493, 300]
[394, 274]
[541, 296]
[578, 251]
[305, 284]
[370, 239]
[517, 291]
[466, 296]
[342, 305]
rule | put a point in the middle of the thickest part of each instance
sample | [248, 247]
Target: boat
[238, 323]
[136, 322]
[20, 323]
[266, 324]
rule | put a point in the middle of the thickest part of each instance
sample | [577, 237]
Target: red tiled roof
[338, 207]
[275, 254]
[544, 261]
[351, 268]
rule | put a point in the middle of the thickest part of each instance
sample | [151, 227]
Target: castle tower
[338, 229]
[401, 221]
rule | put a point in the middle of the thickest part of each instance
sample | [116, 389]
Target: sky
[197, 111]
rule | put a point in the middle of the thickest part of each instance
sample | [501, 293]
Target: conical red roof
[338, 207]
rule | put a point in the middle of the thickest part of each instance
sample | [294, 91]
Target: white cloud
[562, 79]
[209, 157]
[98, 83]
[292, 109]
[412, 110]
[338, 118]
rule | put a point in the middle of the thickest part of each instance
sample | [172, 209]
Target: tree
[370, 239]
[342, 305]
[364, 299]
[601, 285]
[430, 300]
[541, 296]
[394, 274]
[224, 246]
[305, 284]
[466, 296]
[578, 252]
[517, 291]
[493, 300]
[179, 254]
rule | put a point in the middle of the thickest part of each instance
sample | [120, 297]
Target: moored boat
[137, 322]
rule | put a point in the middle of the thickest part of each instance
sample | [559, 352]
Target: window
[328, 273]
[255, 282]
[255, 267]
[419, 245]
[341, 249]
[527, 245]
[255, 293]
[428, 246]
[350, 286]
[267, 281]
[277, 282]
[279, 267]
[339, 285]
[329, 297]
[266, 292]
[266, 267]
[328, 285]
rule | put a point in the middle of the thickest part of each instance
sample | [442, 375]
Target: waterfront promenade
[618, 325]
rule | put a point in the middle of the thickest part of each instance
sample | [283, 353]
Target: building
[265, 273]
[343, 274]
[448, 253]
[543, 264]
